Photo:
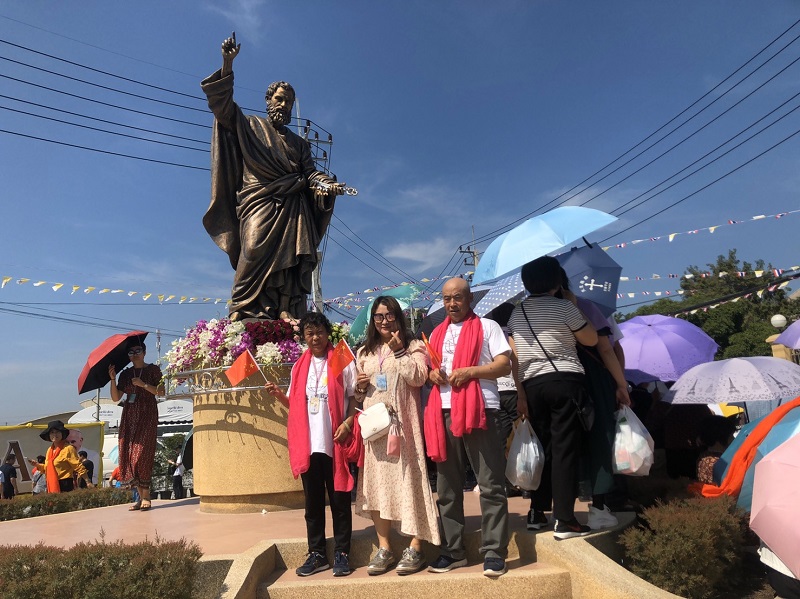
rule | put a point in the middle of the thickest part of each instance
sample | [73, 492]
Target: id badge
[313, 405]
[380, 381]
[131, 397]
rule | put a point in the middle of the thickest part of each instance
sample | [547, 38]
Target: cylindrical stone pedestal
[241, 458]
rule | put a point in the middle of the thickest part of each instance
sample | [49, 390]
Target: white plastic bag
[633, 445]
[525, 458]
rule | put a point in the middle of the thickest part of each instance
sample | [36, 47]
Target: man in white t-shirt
[483, 446]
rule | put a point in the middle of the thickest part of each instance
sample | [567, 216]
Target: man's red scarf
[298, 434]
[466, 402]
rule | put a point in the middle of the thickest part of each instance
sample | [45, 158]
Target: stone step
[528, 581]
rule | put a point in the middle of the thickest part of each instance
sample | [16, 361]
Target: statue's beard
[278, 117]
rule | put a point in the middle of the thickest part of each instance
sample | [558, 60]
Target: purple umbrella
[791, 336]
[662, 348]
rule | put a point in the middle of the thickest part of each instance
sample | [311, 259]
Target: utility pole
[472, 254]
[316, 285]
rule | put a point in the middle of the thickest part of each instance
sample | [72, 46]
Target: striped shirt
[555, 321]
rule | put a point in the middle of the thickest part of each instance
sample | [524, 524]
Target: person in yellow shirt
[61, 462]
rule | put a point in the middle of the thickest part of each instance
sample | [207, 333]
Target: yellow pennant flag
[132, 293]
[146, 296]
[183, 299]
[39, 283]
[5, 280]
[104, 290]
[89, 289]
[75, 288]
[57, 286]
[22, 281]
[160, 298]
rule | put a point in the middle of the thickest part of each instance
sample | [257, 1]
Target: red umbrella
[113, 350]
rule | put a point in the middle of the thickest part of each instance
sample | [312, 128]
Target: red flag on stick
[436, 359]
[341, 357]
[242, 367]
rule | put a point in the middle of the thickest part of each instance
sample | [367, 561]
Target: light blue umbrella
[538, 236]
[788, 427]
[791, 336]
[404, 294]
[592, 274]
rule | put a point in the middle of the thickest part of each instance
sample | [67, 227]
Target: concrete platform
[254, 555]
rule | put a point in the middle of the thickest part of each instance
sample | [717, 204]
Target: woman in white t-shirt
[544, 333]
[321, 415]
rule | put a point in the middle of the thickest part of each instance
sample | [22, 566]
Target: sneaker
[494, 567]
[445, 563]
[412, 561]
[537, 520]
[601, 518]
[341, 564]
[316, 562]
[382, 561]
[568, 530]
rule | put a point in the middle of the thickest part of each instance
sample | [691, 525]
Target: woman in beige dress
[395, 490]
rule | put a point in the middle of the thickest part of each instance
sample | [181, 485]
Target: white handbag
[375, 421]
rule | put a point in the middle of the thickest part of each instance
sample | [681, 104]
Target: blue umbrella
[404, 294]
[592, 274]
[537, 237]
[788, 427]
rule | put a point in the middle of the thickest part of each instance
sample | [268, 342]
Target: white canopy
[175, 411]
[109, 413]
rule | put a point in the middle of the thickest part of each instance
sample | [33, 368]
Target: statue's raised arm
[230, 49]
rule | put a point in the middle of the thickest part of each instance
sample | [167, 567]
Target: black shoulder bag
[584, 405]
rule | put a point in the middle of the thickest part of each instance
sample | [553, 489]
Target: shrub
[28, 506]
[690, 547]
[163, 569]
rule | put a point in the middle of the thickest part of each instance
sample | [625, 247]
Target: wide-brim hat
[54, 425]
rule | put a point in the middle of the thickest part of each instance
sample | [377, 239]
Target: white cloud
[426, 254]
[244, 16]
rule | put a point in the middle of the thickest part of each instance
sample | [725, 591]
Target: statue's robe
[263, 213]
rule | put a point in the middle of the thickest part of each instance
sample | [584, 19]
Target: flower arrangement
[216, 343]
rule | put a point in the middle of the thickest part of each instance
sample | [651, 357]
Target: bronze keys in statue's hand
[337, 188]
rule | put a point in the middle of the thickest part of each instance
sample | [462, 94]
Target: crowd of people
[550, 353]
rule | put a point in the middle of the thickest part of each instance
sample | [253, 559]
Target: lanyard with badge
[314, 400]
[132, 395]
[380, 378]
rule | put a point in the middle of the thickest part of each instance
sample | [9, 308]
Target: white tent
[175, 411]
[109, 413]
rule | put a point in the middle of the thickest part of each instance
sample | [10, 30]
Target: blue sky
[445, 115]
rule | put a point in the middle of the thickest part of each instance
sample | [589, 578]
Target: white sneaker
[601, 518]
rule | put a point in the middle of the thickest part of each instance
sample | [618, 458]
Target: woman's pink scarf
[297, 429]
[466, 402]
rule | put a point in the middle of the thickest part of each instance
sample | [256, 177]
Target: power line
[94, 118]
[711, 91]
[372, 250]
[717, 180]
[90, 128]
[63, 143]
[362, 262]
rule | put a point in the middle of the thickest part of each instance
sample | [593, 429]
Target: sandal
[146, 505]
[136, 506]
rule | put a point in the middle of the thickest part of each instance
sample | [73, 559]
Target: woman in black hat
[61, 463]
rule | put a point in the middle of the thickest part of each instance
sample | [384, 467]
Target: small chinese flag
[436, 359]
[341, 357]
[242, 367]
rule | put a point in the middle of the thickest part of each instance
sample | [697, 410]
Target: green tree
[740, 324]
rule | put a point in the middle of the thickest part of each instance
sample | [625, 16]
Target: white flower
[268, 354]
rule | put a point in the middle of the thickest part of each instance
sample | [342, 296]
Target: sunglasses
[380, 317]
[135, 352]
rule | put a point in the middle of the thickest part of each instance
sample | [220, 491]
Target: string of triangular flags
[162, 298]
[670, 236]
[777, 272]
[633, 294]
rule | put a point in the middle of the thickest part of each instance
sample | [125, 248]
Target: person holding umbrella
[61, 463]
[137, 389]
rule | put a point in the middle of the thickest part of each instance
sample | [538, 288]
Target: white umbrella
[758, 378]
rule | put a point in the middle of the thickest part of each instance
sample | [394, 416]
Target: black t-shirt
[89, 465]
[9, 472]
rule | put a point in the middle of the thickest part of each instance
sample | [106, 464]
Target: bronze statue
[270, 207]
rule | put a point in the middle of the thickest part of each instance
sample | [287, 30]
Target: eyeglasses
[135, 352]
[389, 316]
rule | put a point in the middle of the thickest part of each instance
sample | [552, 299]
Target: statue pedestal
[240, 453]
